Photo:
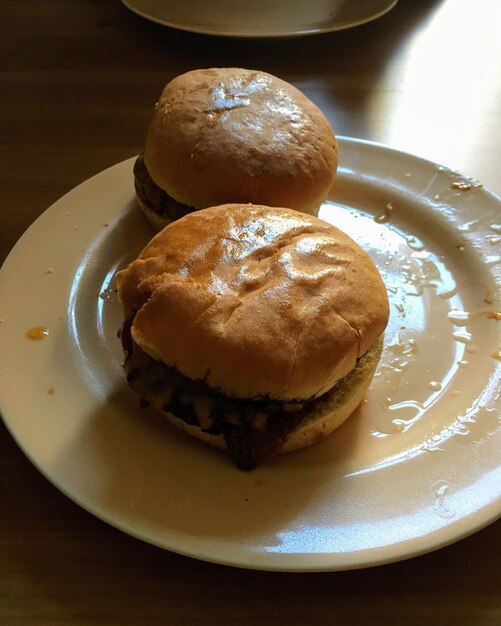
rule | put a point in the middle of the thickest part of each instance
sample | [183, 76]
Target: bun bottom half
[330, 412]
[155, 220]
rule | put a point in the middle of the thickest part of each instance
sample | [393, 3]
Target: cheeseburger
[233, 135]
[255, 329]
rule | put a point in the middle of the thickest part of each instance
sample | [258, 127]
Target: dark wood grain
[78, 81]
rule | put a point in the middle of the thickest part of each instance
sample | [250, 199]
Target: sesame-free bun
[234, 135]
[255, 301]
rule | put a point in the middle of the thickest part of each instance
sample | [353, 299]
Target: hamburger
[233, 135]
[255, 329]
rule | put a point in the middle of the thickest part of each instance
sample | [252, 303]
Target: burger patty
[253, 429]
[154, 197]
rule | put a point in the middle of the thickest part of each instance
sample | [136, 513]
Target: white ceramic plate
[260, 18]
[415, 468]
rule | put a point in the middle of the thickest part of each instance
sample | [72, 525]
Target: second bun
[234, 135]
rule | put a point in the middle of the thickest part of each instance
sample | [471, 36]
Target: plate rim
[287, 34]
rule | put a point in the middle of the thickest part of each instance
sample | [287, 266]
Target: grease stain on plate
[37, 333]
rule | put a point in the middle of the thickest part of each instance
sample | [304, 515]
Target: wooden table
[78, 82]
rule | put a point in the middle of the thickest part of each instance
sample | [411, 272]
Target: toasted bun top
[255, 301]
[233, 135]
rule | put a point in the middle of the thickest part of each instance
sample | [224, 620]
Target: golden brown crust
[234, 135]
[255, 301]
